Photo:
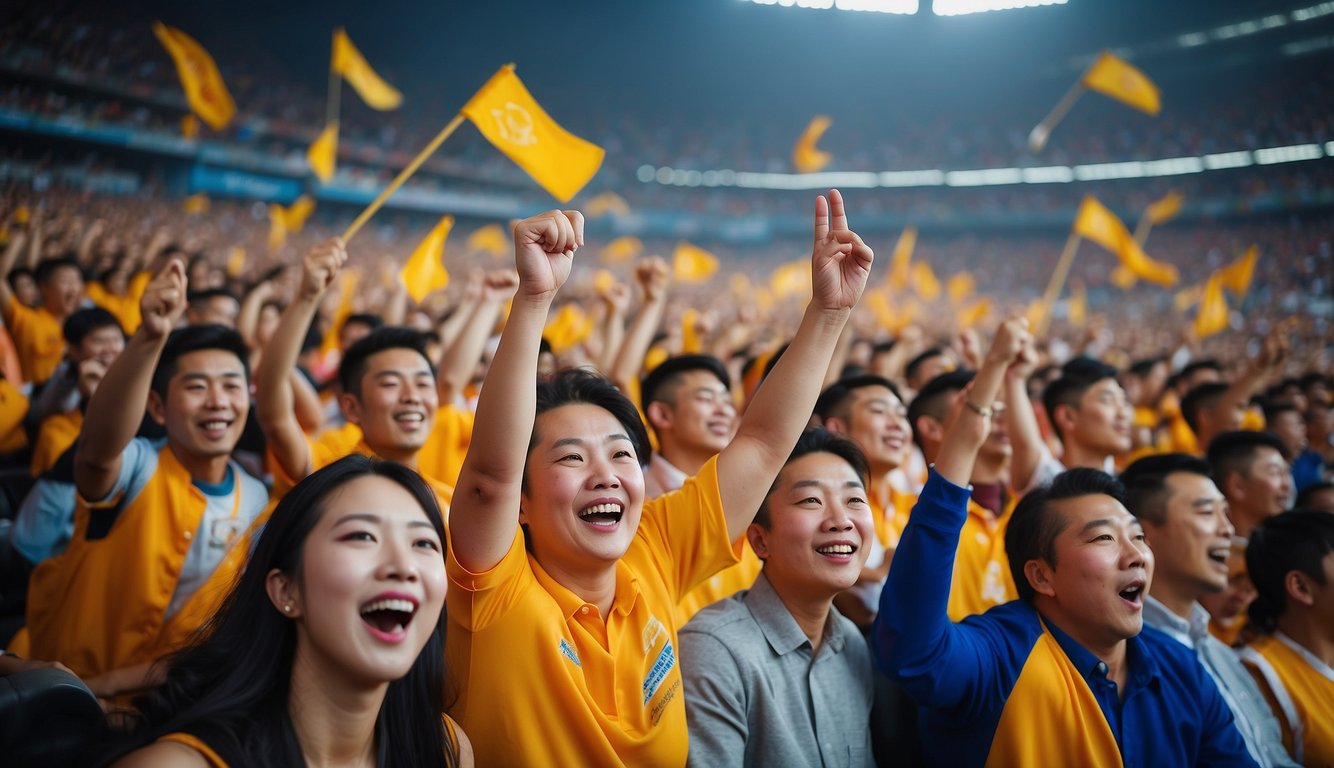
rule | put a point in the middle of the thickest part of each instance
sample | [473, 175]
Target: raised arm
[970, 422]
[616, 301]
[117, 407]
[651, 274]
[1021, 422]
[485, 512]
[274, 401]
[459, 361]
[247, 320]
[17, 239]
[840, 264]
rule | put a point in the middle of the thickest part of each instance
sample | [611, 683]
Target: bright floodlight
[960, 7]
[883, 6]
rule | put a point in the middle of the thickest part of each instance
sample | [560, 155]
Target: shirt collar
[1189, 632]
[777, 624]
[627, 591]
[666, 473]
[1140, 666]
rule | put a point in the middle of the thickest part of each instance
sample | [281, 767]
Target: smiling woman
[330, 647]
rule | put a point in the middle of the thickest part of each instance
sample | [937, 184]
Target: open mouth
[1220, 555]
[1134, 593]
[840, 552]
[215, 428]
[605, 515]
[411, 421]
[388, 618]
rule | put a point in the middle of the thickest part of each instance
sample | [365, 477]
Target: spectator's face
[105, 344]
[1102, 571]
[63, 291]
[1266, 486]
[207, 402]
[25, 288]
[819, 527]
[1102, 421]
[929, 369]
[584, 490]
[397, 404]
[701, 417]
[1238, 594]
[221, 310]
[878, 423]
[1192, 545]
[1291, 429]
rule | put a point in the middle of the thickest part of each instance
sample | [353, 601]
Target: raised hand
[544, 247]
[320, 267]
[164, 300]
[499, 284]
[1012, 338]
[651, 274]
[840, 261]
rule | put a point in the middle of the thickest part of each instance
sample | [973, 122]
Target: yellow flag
[1164, 209]
[1123, 278]
[197, 203]
[1077, 307]
[880, 308]
[277, 227]
[509, 117]
[960, 286]
[348, 62]
[692, 264]
[190, 126]
[690, 341]
[924, 281]
[236, 261]
[1036, 312]
[791, 279]
[424, 271]
[293, 216]
[899, 272]
[203, 84]
[607, 203]
[1236, 277]
[806, 157]
[347, 284]
[1186, 298]
[323, 153]
[1212, 315]
[972, 315]
[603, 281]
[622, 249]
[569, 327]
[489, 239]
[1101, 226]
[1115, 77]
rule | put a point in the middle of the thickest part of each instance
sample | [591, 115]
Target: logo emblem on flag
[515, 124]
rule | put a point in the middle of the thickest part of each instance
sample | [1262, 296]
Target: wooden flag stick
[403, 176]
[1142, 228]
[1057, 281]
[332, 105]
[1037, 138]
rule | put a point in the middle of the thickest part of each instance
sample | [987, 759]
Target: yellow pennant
[603, 281]
[277, 227]
[569, 327]
[490, 239]
[236, 262]
[203, 85]
[960, 286]
[692, 264]
[425, 271]
[1186, 298]
[1095, 222]
[348, 62]
[899, 272]
[1123, 278]
[509, 117]
[1237, 276]
[197, 203]
[1165, 208]
[607, 203]
[1036, 312]
[924, 282]
[622, 249]
[1117, 78]
[806, 157]
[1212, 316]
[975, 314]
[190, 126]
[690, 341]
[323, 153]
[791, 279]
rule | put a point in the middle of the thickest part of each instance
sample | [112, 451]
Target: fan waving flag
[348, 62]
[203, 84]
[509, 117]
[424, 271]
[1115, 77]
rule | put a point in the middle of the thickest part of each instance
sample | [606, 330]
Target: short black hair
[1077, 376]
[933, 399]
[1033, 527]
[835, 400]
[373, 322]
[1143, 367]
[1233, 452]
[818, 440]
[17, 273]
[1207, 363]
[1145, 482]
[1273, 408]
[84, 321]
[47, 268]
[661, 383]
[197, 298]
[910, 370]
[1293, 541]
[1308, 493]
[355, 359]
[574, 386]
[1198, 399]
[194, 338]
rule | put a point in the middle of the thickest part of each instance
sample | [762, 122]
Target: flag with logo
[425, 271]
[1113, 76]
[692, 264]
[509, 117]
[1102, 226]
[806, 157]
[323, 153]
[352, 66]
[203, 85]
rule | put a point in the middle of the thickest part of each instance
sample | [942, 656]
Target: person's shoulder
[724, 619]
[1171, 657]
[164, 754]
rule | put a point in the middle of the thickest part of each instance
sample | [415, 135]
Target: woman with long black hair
[329, 651]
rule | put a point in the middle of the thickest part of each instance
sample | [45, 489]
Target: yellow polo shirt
[442, 455]
[544, 680]
[56, 434]
[981, 570]
[39, 338]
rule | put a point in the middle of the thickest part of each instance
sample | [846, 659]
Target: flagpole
[1037, 138]
[335, 94]
[1142, 229]
[1057, 281]
[403, 176]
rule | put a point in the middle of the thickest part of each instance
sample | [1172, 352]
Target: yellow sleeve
[685, 533]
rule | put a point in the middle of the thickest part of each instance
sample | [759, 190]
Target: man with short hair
[37, 331]
[1291, 560]
[687, 401]
[1185, 519]
[1251, 472]
[213, 306]
[93, 340]
[1284, 420]
[1066, 674]
[927, 365]
[775, 675]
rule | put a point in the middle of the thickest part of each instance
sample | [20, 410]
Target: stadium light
[880, 6]
[961, 7]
